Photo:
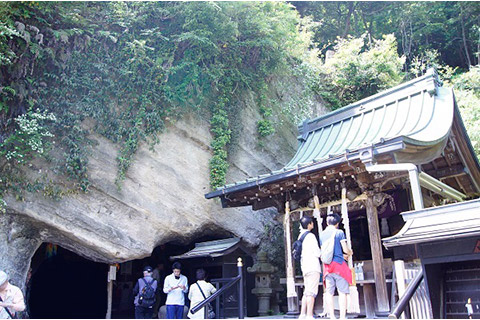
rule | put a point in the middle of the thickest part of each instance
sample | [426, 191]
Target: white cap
[3, 277]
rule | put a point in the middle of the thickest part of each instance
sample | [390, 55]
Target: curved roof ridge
[431, 74]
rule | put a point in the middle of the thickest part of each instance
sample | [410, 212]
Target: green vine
[220, 128]
[264, 126]
[122, 70]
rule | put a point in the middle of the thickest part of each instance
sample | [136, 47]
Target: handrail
[220, 280]
[402, 303]
[215, 295]
[233, 281]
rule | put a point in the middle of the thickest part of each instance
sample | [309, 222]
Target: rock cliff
[161, 200]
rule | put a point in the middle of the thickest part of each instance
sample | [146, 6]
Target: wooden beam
[447, 172]
[383, 306]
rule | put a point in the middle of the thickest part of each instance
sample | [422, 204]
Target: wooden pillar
[292, 298]
[383, 306]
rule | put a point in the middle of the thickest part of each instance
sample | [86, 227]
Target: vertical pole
[240, 290]
[400, 276]
[346, 223]
[383, 305]
[416, 190]
[109, 293]
[316, 214]
[292, 298]
[109, 303]
[217, 302]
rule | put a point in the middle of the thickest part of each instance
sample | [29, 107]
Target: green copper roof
[418, 113]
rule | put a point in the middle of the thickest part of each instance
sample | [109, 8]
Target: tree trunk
[464, 38]
[351, 6]
[478, 43]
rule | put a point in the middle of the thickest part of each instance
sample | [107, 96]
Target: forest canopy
[130, 68]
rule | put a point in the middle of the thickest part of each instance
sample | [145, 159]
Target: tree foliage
[449, 27]
[357, 69]
[467, 92]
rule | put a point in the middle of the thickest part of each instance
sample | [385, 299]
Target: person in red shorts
[337, 274]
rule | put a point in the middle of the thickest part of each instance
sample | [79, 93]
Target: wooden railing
[229, 283]
[402, 303]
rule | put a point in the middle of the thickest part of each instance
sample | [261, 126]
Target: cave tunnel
[66, 285]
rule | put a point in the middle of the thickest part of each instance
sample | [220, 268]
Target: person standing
[175, 286]
[310, 265]
[11, 298]
[199, 291]
[145, 291]
[337, 274]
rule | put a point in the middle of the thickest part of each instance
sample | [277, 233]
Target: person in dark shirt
[144, 312]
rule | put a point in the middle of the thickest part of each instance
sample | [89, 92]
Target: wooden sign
[112, 273]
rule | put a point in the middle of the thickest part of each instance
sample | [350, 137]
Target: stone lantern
[263, 282]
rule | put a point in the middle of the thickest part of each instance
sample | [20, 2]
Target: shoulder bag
[210, 313]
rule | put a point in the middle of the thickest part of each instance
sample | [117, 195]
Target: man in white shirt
[11, 298]
[175, 286]
[310, 263]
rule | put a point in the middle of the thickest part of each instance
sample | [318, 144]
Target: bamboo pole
[353, 298]
[292, 298]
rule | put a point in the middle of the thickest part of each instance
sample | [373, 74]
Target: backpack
[328, 249]
[146, 298]
[297, 247]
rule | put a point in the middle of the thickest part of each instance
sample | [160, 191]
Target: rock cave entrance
[65, 285]
[130, 271]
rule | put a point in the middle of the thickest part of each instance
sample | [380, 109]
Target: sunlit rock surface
[161, 200]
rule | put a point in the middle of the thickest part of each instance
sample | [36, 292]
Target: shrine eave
[453, 221]
[390, 146]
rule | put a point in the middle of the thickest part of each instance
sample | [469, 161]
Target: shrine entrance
[403, 148]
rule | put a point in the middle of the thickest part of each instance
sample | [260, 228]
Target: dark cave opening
[66, 285]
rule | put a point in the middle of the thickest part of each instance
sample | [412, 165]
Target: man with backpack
[336, 273]
[145, 291]
[310, 264]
